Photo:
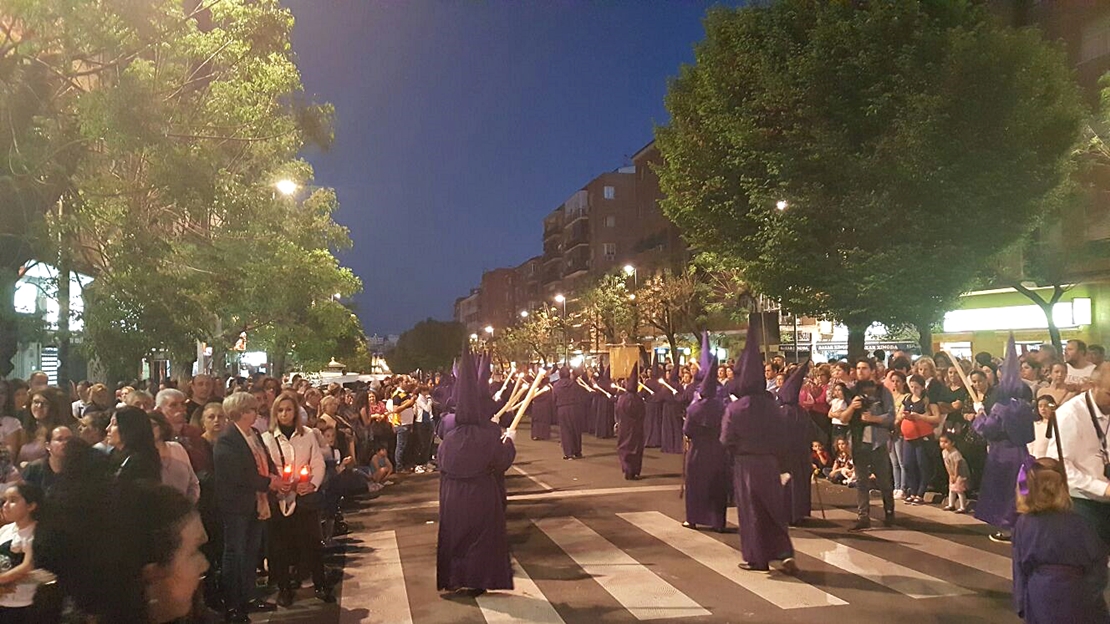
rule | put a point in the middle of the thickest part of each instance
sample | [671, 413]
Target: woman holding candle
[294, 524]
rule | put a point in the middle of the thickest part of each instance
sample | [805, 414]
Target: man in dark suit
[244, 474]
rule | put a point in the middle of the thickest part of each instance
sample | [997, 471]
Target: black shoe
[689, 525]
[237, 616]
[1002, 537]
[260, 606]
[789, 566]
[285, 597]
[578, 456]
[566, 456]
[744, 565]
[888, 519]
[862, 523]
[634, 478]
[325, 595]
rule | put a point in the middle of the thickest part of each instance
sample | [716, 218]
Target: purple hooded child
[1008, 428]
[708, 473]
[797, 439]
[752, 432]
[473, 547]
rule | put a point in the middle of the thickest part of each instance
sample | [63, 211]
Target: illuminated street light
[559, 298]
[489, 329]
[524, 314]
[782, 205]
[629, 270]
[474, 337]
[287, 187]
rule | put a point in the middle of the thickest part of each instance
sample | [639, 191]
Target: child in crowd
[843, 469]
[17, 583]
[822, 462]
[1059, 561]
[1046, 411]
[958, 474]
[839, 397]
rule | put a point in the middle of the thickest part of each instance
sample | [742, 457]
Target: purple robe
[571, 404]
[1059, 570]
[1008, 428]
[707, 465]
[542, 412]
[751, 432]
[796, 459]
[603, 416]
[630, 433]
[674, 412]
[653, 414]
[473, 546]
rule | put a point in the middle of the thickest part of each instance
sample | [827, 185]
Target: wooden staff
[602, 390]
[668, 386]
[538, 393]
[528, 399]
[650, 391]
[583, 384]
[964, 378]
[512, 397]
[497, 396]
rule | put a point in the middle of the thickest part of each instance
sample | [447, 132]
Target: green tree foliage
[910, 140]
[429, 345]
[537, 338]
[672, 303]
[180, 117]
[607, 309]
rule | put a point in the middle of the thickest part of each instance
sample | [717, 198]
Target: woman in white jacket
[294, 525]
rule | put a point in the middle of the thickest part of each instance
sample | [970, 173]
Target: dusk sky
[461, 124]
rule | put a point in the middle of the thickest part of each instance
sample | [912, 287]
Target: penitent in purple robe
[542, 412]
[571, 403]
[630, 430]
[653, 414]
[1008, 428]
[751, 432]
[473, 545]
[796, 448]
[603, 416]
[708, 476]
[1059, 570]
[674, 412]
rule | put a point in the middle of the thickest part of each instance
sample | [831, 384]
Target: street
[591, 547]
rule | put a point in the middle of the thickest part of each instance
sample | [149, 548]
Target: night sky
[461, 124]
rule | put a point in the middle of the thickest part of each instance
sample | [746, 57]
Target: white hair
[164, 396]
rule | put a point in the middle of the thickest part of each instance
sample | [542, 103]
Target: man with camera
[870, 415]
[1083, 422]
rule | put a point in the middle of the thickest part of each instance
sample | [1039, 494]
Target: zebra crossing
[674, 574]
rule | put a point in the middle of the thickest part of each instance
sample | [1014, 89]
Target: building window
[609, 250]
[1095, 40]
[610, 221]
[610, 192]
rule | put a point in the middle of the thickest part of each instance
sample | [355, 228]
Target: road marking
[376, 584]
[639, 590]
[622, 491]
[534, 479]
[526, 603]
[783, 591]
[986, 561]
[937, 514]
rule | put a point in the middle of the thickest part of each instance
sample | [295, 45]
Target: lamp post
[559, 298]
[630, 271]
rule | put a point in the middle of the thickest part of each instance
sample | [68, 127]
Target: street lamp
[524, 314]
[489, 329]
[630, 271]
[782, 205]
[559, 298]
[473, 337]
[287, 187]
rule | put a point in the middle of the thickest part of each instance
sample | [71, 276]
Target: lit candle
[287, 472]
[304, 474]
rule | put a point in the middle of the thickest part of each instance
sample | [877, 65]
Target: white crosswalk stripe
[639, 590]
[782, 591]
[526, 603]
[375, 590]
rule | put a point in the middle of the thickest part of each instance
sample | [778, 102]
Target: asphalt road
[589, 547]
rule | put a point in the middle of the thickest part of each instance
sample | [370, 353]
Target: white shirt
[177, 471]
[838, 405]
[1039, 446]
[1080, 376]
[301, 450]
[23, 592]
[1082, 451]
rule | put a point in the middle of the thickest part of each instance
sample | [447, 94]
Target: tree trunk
[1046, 307]
[672, 340]
[9, 337]
[1053, 330]
[856, 337]
[63, 324]
[925, 337]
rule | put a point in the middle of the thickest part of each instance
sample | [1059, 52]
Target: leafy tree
[539, 337]
[179, 118]
[608, 310]
[907, 141]
[429, 345]
[671, 303]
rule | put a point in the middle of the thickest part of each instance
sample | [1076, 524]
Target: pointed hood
[708, 369]
[749, 367]
[792, 387]
[564, 372]
[633, 382]
[468, 394]
[1010, 385]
